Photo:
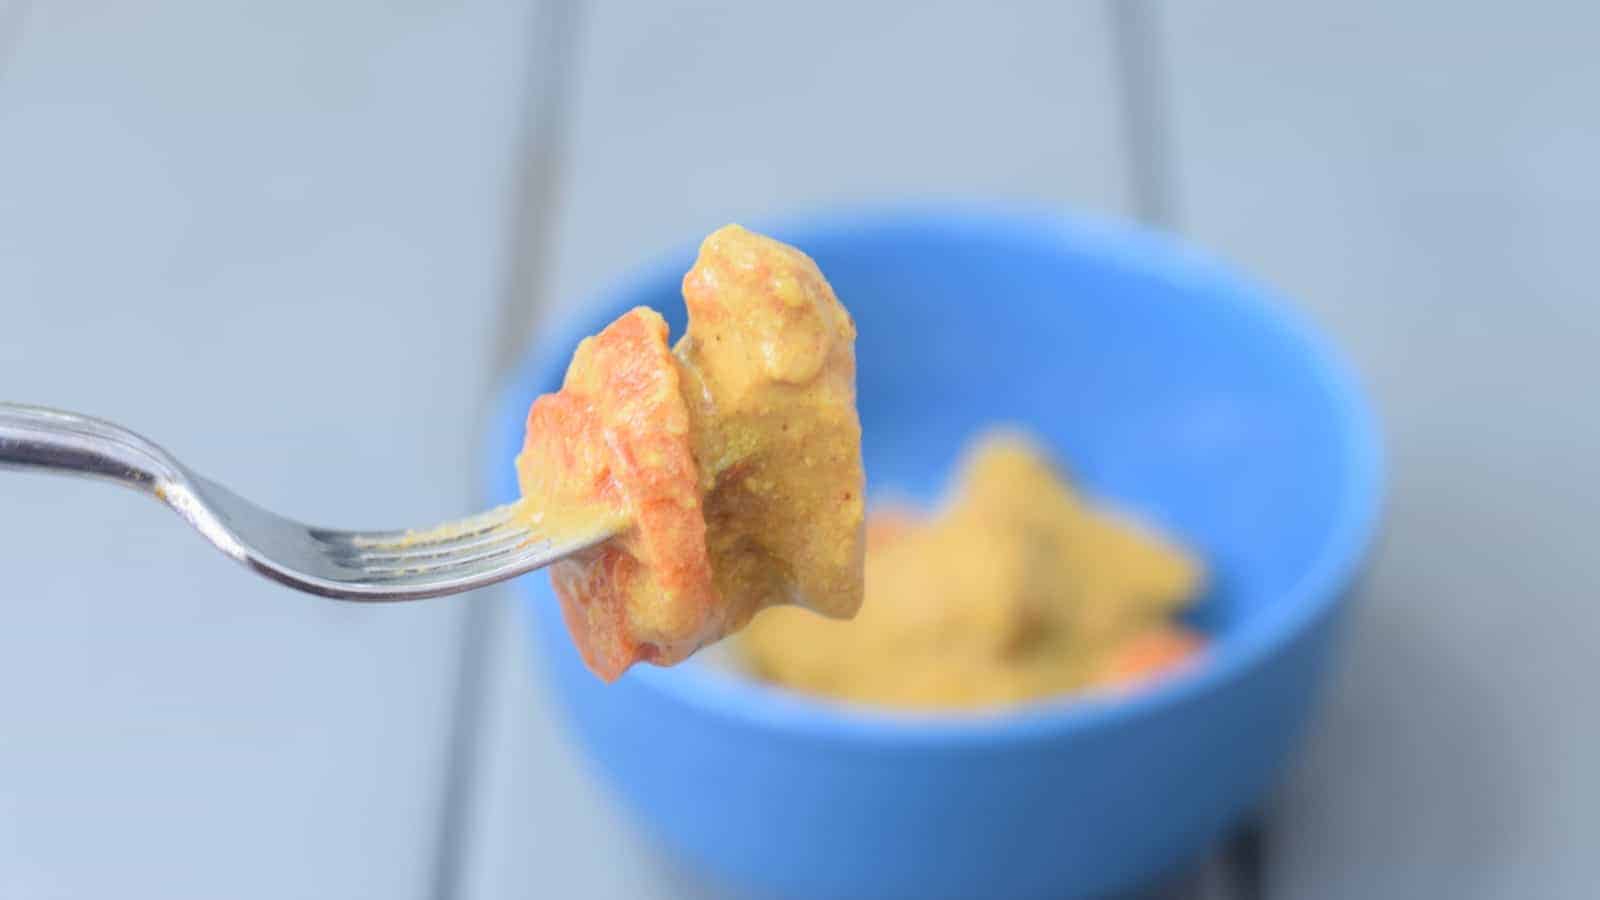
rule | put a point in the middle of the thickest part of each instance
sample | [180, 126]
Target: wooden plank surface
[1422, 178]
[171, 202]
[690, 115]
[269, 235]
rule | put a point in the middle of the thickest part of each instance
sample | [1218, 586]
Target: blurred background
[299, 243]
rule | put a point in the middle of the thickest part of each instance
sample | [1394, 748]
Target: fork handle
[38, 439]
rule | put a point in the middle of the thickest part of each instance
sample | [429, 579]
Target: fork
[346, 565]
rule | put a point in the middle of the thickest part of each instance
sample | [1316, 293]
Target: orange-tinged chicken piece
[730, 467]
[614, 442]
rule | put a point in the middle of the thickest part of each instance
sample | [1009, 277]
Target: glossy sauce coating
[732, 465]
[769, 372]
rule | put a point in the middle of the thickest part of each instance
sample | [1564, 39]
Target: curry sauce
[730, 466]
[1018, 590]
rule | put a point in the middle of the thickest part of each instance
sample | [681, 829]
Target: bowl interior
[1162, 384]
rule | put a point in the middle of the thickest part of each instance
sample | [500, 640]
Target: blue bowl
[1164, 383]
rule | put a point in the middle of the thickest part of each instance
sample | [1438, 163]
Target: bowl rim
[1319, 589]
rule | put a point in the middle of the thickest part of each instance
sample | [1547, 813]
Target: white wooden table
[295, 242]
[271, 236]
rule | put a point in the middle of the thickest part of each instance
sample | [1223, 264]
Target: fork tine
[444, 559]
[354, 553]
[478, 562]
[448, 532]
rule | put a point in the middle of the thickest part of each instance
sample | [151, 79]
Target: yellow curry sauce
[732, 465]
[1018, 590]
[770, 374]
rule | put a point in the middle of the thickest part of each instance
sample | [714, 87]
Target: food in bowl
[1165, 381]
[729, 466]
[1020, 589]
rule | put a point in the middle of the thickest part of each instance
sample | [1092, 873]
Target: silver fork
[347, 565]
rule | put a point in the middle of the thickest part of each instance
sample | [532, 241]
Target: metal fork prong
[476, 547]
[346, 549]
[457, 567]
[448, 532]
[448, 561]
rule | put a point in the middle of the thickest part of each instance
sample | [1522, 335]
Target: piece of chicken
[733, 465]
